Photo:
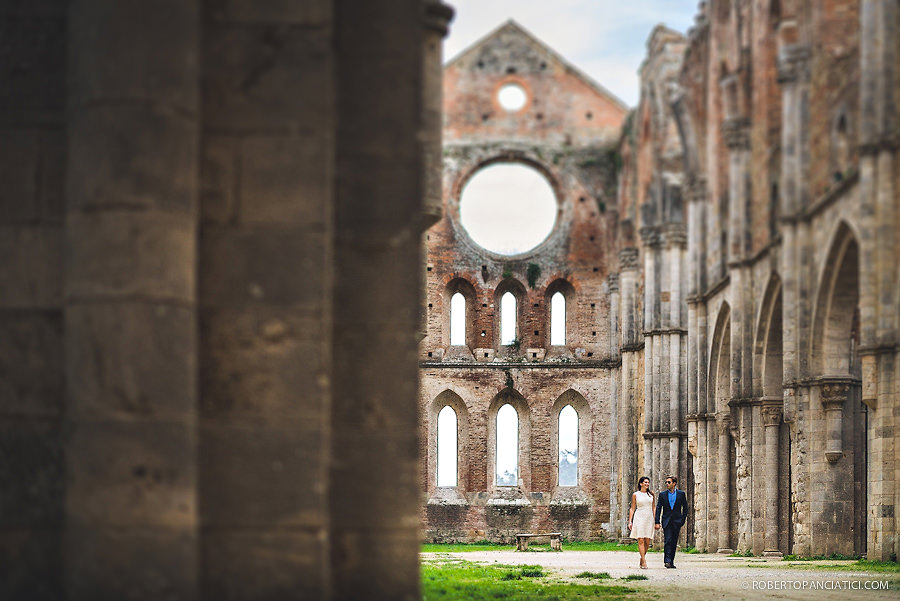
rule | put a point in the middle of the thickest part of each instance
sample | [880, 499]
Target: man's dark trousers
[670, 538]
[671, 519]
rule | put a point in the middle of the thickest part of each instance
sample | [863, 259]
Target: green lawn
[570, 546]
[468, 581]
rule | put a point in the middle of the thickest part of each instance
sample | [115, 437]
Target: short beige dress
[642, 521]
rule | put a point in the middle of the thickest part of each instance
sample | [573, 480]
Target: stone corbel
[833, 393]
[869, 365]
[691, 434]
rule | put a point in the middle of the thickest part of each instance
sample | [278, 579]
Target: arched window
[568, 446]
[507, 318]
[446, 447]
[558, 319]
[458, 320]
[507, 446]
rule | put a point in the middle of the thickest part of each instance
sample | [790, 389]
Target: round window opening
[508, 208]
[512, 97]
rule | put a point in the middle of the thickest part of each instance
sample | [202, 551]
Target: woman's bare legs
[643, 545]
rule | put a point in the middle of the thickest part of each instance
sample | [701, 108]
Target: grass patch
[836, 556]
[594, 575]
[747, 553]
[465, 547]
[635, 577]
[690, 550]
[469, 581]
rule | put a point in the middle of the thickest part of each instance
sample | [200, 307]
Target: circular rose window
[512, 97]
[508, 208]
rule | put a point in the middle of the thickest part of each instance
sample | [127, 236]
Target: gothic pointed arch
[719, 388]
[833, 348]
[449, 398]
[767, 348]
[575, 400]
[512, 397]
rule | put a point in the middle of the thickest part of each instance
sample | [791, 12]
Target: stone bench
[555, 540]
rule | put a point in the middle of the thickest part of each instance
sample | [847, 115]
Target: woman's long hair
[641, 481]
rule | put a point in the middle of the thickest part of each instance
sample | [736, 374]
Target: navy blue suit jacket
[671, 515]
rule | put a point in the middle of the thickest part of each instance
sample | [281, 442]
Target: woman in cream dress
[640, 518]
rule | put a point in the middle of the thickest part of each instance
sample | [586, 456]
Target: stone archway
[836, 401]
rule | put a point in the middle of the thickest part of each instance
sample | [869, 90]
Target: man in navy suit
[672, 504]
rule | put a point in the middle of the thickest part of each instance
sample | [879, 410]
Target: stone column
[374, 497]
[723, 423]
[771, 417]
[879, 30]
[631, 348]
[130, 303]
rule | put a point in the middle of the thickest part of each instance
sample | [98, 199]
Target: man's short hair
[674, 479]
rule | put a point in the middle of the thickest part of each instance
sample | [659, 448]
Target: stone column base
[772, 554]
[725, 551]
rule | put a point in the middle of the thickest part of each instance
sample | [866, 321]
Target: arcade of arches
[718, 297]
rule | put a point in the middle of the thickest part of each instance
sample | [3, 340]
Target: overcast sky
[604, 38]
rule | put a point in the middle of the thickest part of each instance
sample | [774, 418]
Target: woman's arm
[631, 512]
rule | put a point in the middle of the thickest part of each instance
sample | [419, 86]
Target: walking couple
[670, 511]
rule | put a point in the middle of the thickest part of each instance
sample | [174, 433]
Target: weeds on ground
[635, 577]
[689, 549]
[747, 553]
[594, 575]
[469, 581]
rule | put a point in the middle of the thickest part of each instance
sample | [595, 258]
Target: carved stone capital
[629, 258]
[736, 132]
[651, 238]
[723, 422]
[613, 282]
[793, 64]
[695, 188]
[833, 393]
[438, 16]
[674, 234]
[771, 415]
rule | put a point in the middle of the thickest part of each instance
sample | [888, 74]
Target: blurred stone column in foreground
[130, 319]
[374, 494]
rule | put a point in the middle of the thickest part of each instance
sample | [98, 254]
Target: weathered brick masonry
[732, 259]
[568, 130]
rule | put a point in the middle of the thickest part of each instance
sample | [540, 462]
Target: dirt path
[701, 577]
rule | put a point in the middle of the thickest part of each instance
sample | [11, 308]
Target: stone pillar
[130, 312]
[32, 396]
[879, 252]
[630, 350]
[771, 418]
[374, 526]
[723, 423]
[265, 292]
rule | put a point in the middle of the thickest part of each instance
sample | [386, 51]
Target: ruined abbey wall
[747, 284]
[786, 131]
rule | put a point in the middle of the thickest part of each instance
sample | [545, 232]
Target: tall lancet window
[458, 320]
[507, 446]
[446, 447]
[568, 446]
[558, 319]
[507, 318]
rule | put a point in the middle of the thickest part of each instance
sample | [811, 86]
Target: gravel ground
[703, 576]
